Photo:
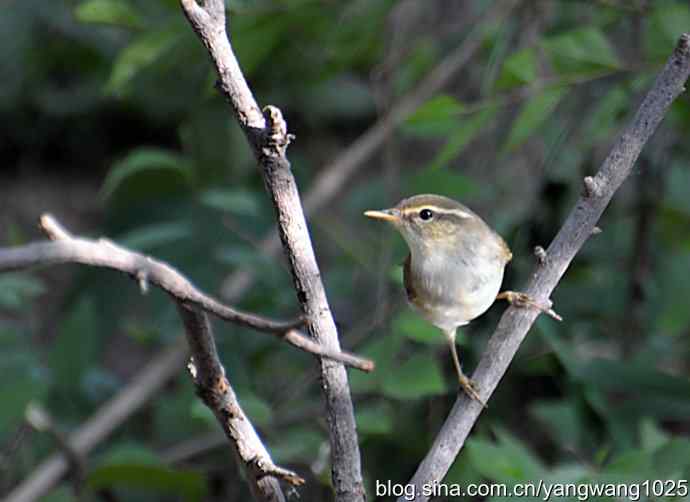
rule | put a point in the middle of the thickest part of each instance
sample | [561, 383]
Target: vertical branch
[269, 139]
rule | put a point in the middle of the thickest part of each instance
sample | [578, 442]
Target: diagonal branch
[205, 366]
[215, 390]
[108, 417]
[66, 248]
[269, 139]
[580, 224]
[325, 186]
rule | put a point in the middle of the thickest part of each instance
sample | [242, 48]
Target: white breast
[471, 290]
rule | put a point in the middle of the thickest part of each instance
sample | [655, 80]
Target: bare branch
[577, 228]
[269, 138]
[333, 176]
[144, 269]
[325, 186]
[41, 421]
[109, 416]
[215, 390]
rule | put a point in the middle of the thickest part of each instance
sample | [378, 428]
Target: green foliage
[17, 289]
[580, 51]
[120, 94]
[115, 12]
[158, 480]
[666, 23]
[434, 117]
[76, 346]
[145, 171]
[533, 115]
[416, 377]
[518, 69]
[140, 54]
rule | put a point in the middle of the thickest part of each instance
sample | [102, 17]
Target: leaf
[416, 328]
[237, 201]
[152, 161]
[76, 345]
[375, 419]
[665, 24]
[606, 116]
[126, 452]
[445, 181]
[340, 98]
[382, 351]
[583, 50]
[672, 313]
[24, 378]
[652, 436]
[561, 421]
[532, 115]
[256, 37]
[153, 478]
[115, 12]
[149, 237]
[137, 56]
[417, 377]
[673, 458]
[18, 288]
[499, 462]
[459, 137]
[666, 396]
[436, 116]
[417, 63]
[517, 450]
[518, 69]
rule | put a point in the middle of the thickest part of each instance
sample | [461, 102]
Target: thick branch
[580, 224]
[103, 253]
[269, 138]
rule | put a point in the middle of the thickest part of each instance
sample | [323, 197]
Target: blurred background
[112, 124]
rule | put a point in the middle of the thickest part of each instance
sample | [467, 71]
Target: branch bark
[326, 185]
[205, 366]
[215, 390]
[334, 175]
[579, 225]
[269, 139]
[65, 248]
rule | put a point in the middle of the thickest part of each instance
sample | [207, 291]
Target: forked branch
[66, 248]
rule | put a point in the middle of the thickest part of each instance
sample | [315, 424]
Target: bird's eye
[426, 214]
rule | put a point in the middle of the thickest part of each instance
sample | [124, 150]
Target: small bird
[454, 271]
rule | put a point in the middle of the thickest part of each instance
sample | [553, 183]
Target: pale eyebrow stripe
[440, 210]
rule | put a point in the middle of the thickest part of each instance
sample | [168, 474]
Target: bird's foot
[523, 300]
[470, 388]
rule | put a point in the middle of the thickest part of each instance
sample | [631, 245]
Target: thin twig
[67, 248]
[579, 225]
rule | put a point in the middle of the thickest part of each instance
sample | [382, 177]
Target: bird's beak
[392, 214]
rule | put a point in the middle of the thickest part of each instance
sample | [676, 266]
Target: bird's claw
[470, 389]
[523, 300]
